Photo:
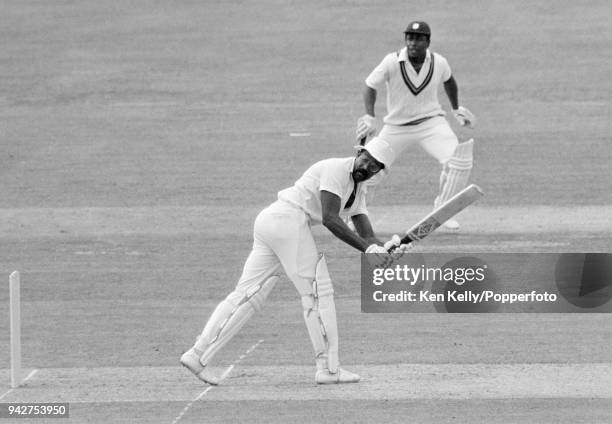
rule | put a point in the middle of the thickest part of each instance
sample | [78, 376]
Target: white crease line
[30, 375]
[6, 393]
[209, 388]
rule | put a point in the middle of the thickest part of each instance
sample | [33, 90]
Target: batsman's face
[417, 45]
[365, 167]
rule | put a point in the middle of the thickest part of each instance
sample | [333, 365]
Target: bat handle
[363, 141]
[407, 239]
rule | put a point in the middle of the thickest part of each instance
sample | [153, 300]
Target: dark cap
[418, 27]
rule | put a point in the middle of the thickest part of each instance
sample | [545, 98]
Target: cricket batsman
[329, 190]
[412, 77]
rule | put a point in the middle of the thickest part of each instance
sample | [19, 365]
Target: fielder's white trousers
[434, 135]
[282, 239]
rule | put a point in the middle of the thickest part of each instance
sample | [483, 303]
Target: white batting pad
[456, 172]
[230, 316]
[320, 317]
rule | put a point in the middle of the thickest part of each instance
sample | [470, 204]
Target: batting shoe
[451, 225]
[341, 376]
[191, 361]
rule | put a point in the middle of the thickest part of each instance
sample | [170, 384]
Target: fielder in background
[283, 239]
[412, 77]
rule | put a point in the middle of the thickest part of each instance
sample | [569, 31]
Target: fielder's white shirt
[410, 96]
[333, 175]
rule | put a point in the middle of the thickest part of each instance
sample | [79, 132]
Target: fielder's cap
[418, 27]
[380, 150]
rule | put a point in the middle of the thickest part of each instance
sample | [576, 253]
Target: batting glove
[376, 248]
[366, 127]
[396, 248]
[381, 258]
[464, 117]
[400, 250]
[394, 243]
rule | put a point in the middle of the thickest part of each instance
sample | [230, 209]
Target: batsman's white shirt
[333, 175]
[282, 231]
[410, 95]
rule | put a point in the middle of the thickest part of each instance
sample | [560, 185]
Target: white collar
[403, 56]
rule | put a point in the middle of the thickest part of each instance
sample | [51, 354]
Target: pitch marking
[30, 375]
[209, 388]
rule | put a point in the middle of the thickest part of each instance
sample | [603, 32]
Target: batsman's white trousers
[434, 135]
[282, 238]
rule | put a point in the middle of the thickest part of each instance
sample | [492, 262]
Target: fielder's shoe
[191, 361]
[452, 225]
[342, 376]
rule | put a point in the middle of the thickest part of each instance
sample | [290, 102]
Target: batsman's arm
[330, 206]
[364, 229]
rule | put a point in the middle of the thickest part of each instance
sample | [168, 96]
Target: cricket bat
[443, 213]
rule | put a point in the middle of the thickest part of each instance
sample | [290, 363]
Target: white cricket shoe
[342, 376]
[191, 361]
[452, 225]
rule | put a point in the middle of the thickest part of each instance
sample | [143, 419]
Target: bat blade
[443, 213]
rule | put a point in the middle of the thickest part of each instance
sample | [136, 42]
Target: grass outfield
[139, 141]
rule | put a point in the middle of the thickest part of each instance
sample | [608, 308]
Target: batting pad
[456, 172]
[320, 317]
[230, 316]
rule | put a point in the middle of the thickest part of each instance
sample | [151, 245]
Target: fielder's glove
[464, 117]
[366, 127]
